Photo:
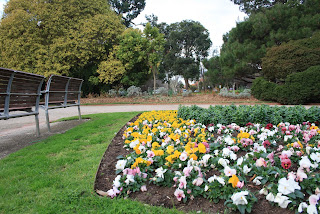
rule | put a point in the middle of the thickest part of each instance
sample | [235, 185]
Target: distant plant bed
[243, 114]
[246, 93]
[264, 168]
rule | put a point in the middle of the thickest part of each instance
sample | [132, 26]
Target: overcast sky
[218, 16]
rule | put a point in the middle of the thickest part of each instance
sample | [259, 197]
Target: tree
[292, 57]
[249, 6]
[128, 9]
[246, 44]
[154, 49]
[58, 37]
[187, 43]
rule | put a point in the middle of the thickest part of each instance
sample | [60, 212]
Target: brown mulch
[210, 98]
[164, 196]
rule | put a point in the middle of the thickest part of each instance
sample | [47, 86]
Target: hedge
[243, 114]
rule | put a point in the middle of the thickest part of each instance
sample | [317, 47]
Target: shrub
[122, 92]
[133, 91]
[186, 93]
[112, 93]
[161, 91]
[243, 114]
[299, 88]
[244, 94]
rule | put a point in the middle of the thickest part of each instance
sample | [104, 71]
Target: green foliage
[187, 43]
[299, 88]
[243, 114]
[57, 37]
[294, 56]
[246, 44]
[249, 6]
[128, 9]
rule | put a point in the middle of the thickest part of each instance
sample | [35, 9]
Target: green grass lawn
[57, 175]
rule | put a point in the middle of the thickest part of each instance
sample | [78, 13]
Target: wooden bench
[62, 92]
[19, 93]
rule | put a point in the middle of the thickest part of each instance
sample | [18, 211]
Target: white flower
[121, 164]
[239, 161]
[116, 182]
[257, 181]
[206, 157]
[130, 179]
[270, 197]
[183, 156]
[229, 172]
[315, 157]
[160, 172]
[198, 181]
[211, 129]
[246, 169]
[229, 140]
[282, 200]
[302, 206]
[263, 191]
[308, 148]
[226, 152]
[312, 209]
[216, 152]
[287, 137]
[239, 198]
[305, 162]
[233, 156]
[287, 186]
[134, 143]
[223, 162]
[206, 188]
[219, 179]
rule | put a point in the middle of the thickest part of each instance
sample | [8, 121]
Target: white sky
[218, 16]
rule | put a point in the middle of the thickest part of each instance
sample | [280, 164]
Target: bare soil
[164, 196]
[200, 98]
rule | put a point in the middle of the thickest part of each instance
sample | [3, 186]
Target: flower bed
[219, 162]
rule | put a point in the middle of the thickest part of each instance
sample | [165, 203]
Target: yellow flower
[158, 152]
[155, 145]
[170, 149]
[202, 148]
[193, 156]
[234, 181]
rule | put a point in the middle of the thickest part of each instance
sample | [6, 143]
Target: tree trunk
[154, 79]
[187, 83]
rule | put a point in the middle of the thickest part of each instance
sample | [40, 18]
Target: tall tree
[69, 37]
[128, 9]
[154, 49]
[253, 6]
[187, 43]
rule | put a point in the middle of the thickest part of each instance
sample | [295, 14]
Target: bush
[299, 88]
[161, 91]
[244, 94]
[243, 114]
[112, 93]
[186, 93]
[122, 92]
[133, 91]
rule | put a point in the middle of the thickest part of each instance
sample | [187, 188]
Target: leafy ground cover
[238, 165]
[57, 174]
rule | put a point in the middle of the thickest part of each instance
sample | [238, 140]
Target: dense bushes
[299, 88]
[241, 115]
[246, 93]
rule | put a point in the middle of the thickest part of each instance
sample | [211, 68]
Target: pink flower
[183, 156]
[261, 162]
[240, 184]
[235, 148]
[113, 192]
[197, 181]
[175, 179]
[280, 148]
[299, 153]
[150, 154]
[189, 191]
[292, 127]
[143, 188]
[301, 174]
[179, 194]
[183, 182]
[151, 160]
[271, 157]
[296, 145]
[187, 171]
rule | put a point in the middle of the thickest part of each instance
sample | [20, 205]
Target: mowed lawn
[57, 175]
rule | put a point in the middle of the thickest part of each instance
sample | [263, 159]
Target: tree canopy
[187, 43]
[69, 37]
[128, 9]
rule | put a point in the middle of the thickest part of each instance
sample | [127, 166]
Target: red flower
[266, 144]
[286, 163]
[269, 126]
[249, 124]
